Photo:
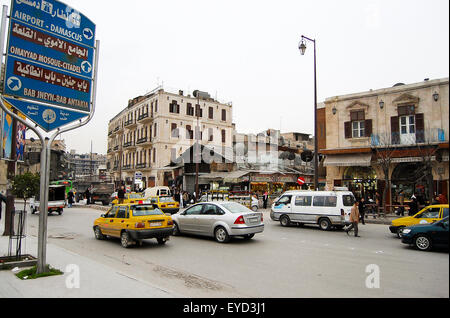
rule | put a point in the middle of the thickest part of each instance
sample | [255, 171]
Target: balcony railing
[128, 144]
[420, 137]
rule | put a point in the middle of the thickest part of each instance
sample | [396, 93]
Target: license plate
[155, 224]
[253, 220]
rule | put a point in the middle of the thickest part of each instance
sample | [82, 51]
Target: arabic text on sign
[49, 41]
[51, 77]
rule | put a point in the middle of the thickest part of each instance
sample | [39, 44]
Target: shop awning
[227, 177]
[353, 160]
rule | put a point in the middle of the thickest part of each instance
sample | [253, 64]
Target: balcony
[129, 145]
[130, 124]
[144, 142]
[143, 167]
[127, 167]
[145, 118]
[397, 139]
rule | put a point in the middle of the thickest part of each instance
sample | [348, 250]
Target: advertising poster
[7, 136]
[20, 141]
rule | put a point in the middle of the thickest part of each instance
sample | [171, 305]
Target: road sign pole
[43, 209]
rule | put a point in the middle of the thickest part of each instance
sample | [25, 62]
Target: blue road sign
[47, 117]
[50, 57]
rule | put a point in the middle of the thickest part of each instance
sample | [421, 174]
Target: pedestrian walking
[265, 199]
[362, 210]
[413, 206]
[87, 194]
[354, 219]
[70, 198]
[121, 195]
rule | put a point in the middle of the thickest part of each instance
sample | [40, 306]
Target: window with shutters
[174, 130]
[189, 132]
[224, 115]
[358, 126]
[211, 113]
[224, 137]
[190, 110]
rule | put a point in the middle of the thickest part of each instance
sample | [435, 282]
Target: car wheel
[176, 229]
[254, 208]
[324, 224]
[98, 234]
[285, 221]
[125, 240]
[423, 243]
[221, 235]
[400, 231]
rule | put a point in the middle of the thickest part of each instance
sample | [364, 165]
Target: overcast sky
[246, 52]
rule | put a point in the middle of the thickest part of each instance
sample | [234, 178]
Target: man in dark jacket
[362, 209]
[121, 195]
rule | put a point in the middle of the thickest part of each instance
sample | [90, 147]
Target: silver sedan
[221, 220]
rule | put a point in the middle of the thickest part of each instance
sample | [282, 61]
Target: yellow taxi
[130, 198]
[133, 223]
[165, 203]
[428, 215]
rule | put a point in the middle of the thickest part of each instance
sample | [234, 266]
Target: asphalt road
[282, 262]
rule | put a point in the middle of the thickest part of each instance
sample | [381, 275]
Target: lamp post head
[302, 47]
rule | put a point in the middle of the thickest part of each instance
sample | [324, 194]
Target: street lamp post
[302, 48]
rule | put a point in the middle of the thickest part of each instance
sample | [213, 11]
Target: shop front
[362, 181]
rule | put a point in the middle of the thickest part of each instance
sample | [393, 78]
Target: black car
[425, 236]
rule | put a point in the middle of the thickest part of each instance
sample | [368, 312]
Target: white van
[325, 208]
[157, 192]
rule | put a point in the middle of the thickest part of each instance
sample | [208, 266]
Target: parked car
[324, 208]
[130, 198]
[165, 204]
[425, 236]
[428, 215]
[133, 223]
[221, 220]
[56, 200]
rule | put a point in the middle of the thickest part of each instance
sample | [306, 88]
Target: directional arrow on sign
[47, 117]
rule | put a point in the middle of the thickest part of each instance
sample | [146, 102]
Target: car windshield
[135, 196]
[166, 199]
[234, 207]
[144, 210]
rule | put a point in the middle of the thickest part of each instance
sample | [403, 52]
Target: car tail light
[139, 225]
[342, 212]
[262, 218]
[170, 222]
[240, 220]
[141, 202]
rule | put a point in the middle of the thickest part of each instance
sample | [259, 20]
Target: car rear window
[234, 207]
[135, 196]
[145, 210]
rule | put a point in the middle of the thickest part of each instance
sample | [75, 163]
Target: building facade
[395, 138]
[157, 128]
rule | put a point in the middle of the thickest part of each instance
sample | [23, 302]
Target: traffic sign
[301, 181]
[50, 60]
[47, 117]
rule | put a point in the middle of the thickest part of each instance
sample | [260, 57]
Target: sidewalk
[95, 279]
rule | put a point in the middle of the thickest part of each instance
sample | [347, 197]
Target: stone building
[403, 129]
[159, 127]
